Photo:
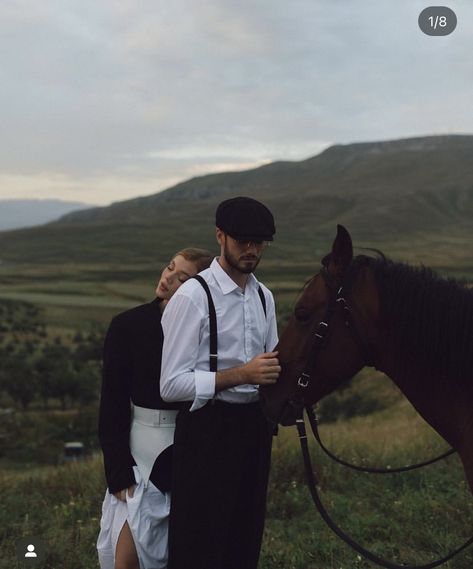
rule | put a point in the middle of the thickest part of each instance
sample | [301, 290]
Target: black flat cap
[245, 218]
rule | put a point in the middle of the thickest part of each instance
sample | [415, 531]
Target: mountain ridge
[330, 167]
[18, 213]
[404, 194]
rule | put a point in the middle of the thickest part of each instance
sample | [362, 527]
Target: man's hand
[121, 494]
[263, 369]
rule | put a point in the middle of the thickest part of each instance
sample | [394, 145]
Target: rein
[320, 336]
[312, 484]
[315, 431]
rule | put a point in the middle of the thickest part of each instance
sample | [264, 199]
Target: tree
[55, 373]
[85, 385]
[18, 379]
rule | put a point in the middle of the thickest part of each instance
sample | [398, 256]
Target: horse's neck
[432, 397]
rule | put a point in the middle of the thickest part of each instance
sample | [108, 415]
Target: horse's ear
[326, 260]
[342, 252]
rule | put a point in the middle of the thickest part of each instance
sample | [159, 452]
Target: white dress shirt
[243, 331]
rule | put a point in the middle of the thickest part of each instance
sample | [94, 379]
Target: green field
[82, 296]
[411, 518]
[76, 297]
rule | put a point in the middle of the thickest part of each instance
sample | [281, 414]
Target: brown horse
[407, 322]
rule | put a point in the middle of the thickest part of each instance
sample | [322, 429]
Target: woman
[136, 429]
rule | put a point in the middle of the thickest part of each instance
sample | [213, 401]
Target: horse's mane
[429, 318]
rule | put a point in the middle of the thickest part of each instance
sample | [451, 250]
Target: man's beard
[239, 264]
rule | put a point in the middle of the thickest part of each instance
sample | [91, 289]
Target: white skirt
[147, 512]
[151, 432]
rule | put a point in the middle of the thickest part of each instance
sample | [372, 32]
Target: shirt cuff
[204, 388]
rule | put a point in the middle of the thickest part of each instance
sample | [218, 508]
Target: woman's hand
[121, 494]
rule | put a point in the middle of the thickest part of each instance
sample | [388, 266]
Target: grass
[413, 517]
[80, 297]
[410, 517]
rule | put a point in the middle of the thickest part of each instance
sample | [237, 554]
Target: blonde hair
[201, 257]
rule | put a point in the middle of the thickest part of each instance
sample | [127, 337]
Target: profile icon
[31, 552]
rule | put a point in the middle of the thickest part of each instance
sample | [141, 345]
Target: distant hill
[412, 197]
[15, 214]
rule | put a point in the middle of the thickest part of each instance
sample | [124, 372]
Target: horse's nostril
[288, 416]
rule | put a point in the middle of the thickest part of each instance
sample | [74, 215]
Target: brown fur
[443, 401]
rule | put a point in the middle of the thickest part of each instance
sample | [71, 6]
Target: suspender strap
[213, 321]
[212, 325]
[263, 300]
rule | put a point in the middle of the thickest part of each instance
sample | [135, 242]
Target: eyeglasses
[256, 243]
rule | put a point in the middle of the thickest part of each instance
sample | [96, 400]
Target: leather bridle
[322, 330]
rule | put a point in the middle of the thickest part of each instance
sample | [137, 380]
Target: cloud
[139, 94]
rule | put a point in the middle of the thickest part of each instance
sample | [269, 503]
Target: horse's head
[328, 338]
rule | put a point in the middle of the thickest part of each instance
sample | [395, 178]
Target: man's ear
[342, 253]
[220, 236]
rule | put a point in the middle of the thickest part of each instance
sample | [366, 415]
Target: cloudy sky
[103, 100]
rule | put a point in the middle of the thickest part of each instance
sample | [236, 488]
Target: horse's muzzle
[290, 413]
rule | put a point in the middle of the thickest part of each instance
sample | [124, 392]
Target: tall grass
[412, 517]
[409, 518]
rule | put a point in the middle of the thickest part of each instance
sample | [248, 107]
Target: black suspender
[263, 300]
[213, 321]
[212, 325]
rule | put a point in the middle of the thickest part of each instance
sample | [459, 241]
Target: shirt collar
[225, 282]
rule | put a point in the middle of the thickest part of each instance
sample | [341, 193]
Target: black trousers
[221, 464]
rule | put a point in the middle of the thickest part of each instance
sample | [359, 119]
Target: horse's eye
[302, 314]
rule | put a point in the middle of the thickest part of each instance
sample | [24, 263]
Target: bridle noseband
[337, 298]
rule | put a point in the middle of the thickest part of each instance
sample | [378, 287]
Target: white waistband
[154, 417]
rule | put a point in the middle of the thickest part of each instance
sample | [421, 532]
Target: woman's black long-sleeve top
[131, 371]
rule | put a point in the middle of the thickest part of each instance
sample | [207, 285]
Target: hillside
[15, 214]
[412, 197]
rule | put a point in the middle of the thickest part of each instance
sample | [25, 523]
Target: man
[222, 442]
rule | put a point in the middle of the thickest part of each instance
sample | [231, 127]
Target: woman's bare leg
[125, 554]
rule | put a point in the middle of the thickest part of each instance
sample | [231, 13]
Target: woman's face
[176, 273]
